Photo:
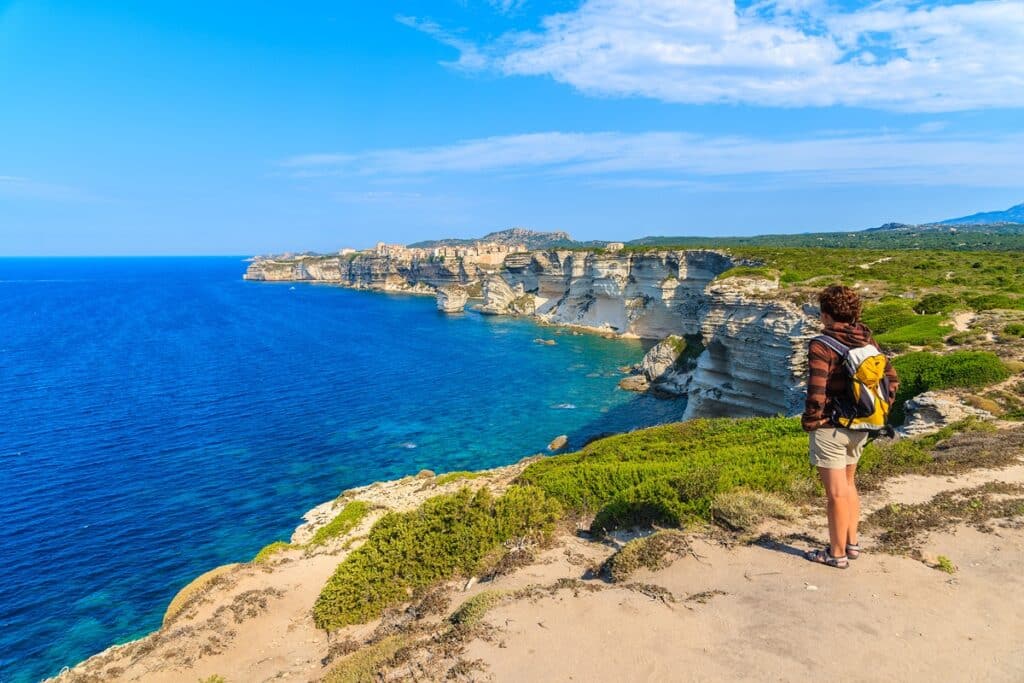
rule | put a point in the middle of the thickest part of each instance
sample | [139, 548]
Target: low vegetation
[363, 665]
[903, 527]
[897, 323]
[408, 552]
[743, 509]
[471, 613]
[922, 371]
[344, 522]
[449, 477]
[750, 271]
[653, 552]
[270, 550]
[664, 475]
[956, 448]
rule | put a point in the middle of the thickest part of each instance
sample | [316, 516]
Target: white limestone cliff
[754, 338]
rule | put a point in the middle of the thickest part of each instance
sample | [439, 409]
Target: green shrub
[894, 322]
[749, 271]
[889, 315]
[472, 611]
[989, 302]
[347, 519]
[925, 330]
[364, 665]
[651, 552]
[936, 303]
[1014, 330]
[446, 536]
[922, 371]
[744, 508]
[665, 474]
[269, 550]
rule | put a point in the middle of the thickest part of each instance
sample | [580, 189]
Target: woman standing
[834, 449]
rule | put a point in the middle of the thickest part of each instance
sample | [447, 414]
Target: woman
[834, 449]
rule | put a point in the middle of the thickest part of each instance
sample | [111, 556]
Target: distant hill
[531, 238]
[1015, 214]
[991, 231]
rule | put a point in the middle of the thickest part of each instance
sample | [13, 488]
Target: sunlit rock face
[451, 298]
[754, 358]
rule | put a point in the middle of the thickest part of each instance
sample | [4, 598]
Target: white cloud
[469, 59]
[895, 54]
[681, 159]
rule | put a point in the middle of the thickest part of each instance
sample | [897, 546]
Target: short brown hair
[841, 303]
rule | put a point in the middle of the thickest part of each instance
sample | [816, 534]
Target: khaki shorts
[834, 447]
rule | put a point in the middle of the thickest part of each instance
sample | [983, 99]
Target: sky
[153, 127]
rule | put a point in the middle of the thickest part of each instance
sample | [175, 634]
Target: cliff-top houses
[482, 253]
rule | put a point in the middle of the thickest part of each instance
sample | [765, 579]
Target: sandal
[825, 557]
[852, 551]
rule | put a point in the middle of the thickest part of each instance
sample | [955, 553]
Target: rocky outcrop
[931, 411]
[500, 298]
[666, 367]
[451, 298]
[755, 351]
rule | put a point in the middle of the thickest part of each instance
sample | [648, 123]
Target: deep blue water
[161, 417]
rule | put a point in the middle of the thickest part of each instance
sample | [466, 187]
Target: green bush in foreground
[347, 519]
[663, 475]
[923, 371]
[448, 535]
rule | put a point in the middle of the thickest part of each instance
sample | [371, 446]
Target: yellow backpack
[866, 407]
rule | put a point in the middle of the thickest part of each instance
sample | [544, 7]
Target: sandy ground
[728, 612]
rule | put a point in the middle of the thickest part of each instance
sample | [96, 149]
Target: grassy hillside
[1005, 237]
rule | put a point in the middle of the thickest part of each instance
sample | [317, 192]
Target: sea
[161, 416]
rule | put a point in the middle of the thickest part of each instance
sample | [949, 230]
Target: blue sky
[229, 128]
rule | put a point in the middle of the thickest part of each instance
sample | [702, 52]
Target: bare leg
[838, 509]
[854, 507]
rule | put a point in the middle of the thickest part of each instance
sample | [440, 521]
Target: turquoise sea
[161, 417]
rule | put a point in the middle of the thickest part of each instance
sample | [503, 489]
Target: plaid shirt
[827, 378]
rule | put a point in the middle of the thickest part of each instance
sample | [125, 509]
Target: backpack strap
[833, 344]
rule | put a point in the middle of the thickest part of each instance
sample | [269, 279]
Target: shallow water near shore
[162, 417]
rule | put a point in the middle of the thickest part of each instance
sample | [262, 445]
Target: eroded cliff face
[754, 340]
[754, 357]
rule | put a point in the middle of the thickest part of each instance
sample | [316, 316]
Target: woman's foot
[852, 551]
[825, 557]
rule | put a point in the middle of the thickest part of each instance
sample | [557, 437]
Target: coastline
[635, 627]
[740, 293]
